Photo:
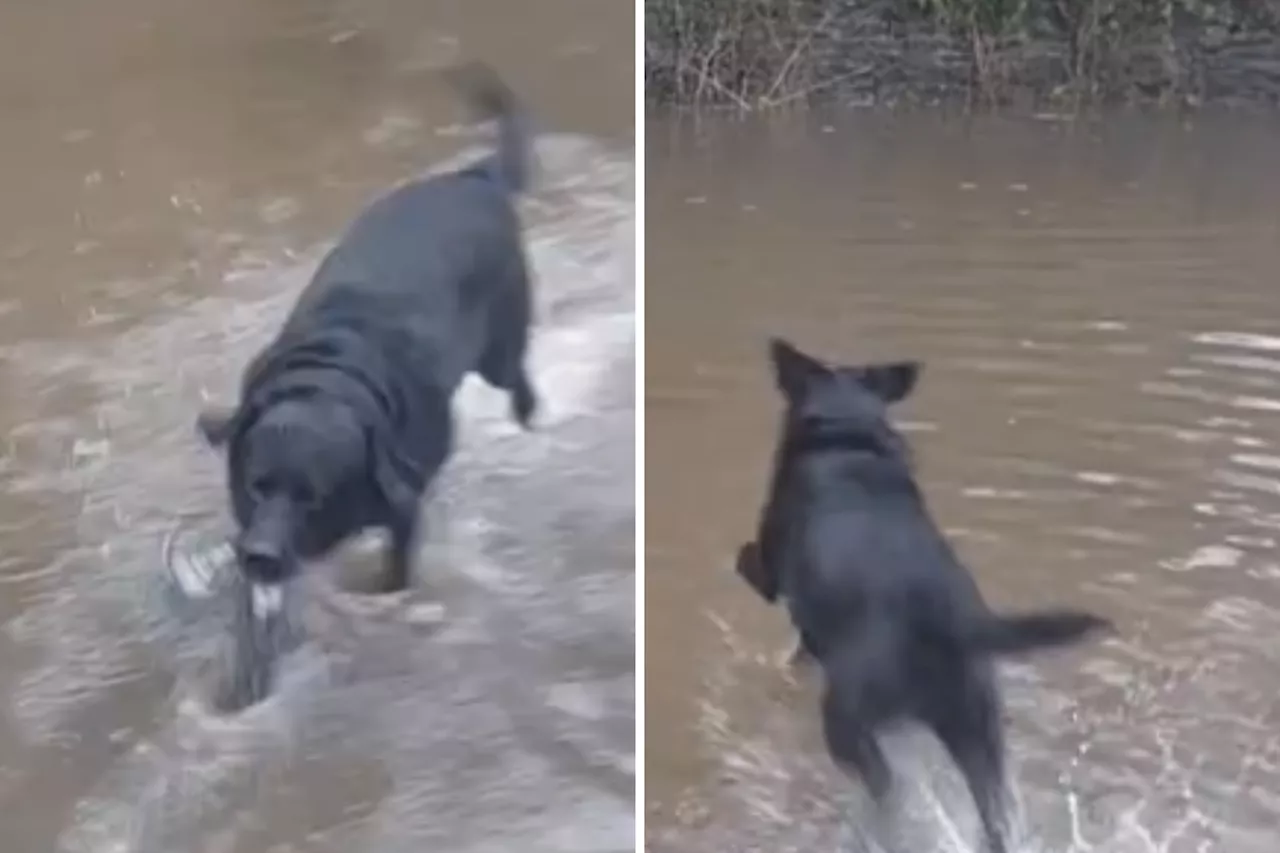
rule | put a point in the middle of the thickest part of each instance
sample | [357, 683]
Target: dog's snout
[260, 551]
[262, 559]
[264, 548]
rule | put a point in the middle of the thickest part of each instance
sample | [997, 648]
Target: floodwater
[1097, 425]
[171, 173]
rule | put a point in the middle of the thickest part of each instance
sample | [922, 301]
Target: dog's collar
[819, 441]
[813, 441]
[349, 365]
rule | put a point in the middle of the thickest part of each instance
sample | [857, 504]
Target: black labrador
[878, 597]
[345, 418]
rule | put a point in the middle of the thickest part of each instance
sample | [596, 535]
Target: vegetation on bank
[756, 54]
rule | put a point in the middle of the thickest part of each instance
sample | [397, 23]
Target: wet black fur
[876, 593]
[345, 418]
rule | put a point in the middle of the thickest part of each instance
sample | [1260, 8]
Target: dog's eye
[306, 496]
[263, 486]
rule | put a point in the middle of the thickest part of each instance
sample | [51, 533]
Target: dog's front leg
[400, 550]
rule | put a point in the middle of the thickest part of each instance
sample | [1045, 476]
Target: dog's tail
[1009, 635]
[492, 99]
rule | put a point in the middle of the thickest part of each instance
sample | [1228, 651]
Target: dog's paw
[524, 406]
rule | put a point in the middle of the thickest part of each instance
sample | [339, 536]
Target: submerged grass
[759, 54]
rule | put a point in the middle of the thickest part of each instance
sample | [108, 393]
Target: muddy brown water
[1097, 425]
[171, 174]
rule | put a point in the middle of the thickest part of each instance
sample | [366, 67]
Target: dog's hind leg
[502, 363]
[863, 691]
[852, 743]
[502, 366]
[971, 731]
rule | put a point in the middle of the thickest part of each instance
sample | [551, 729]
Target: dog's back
[438, 261]
[867, 549]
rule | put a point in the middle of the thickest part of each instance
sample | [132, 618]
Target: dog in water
[878, 597]
[345, 418]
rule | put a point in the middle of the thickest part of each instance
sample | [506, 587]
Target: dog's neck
[886, 443]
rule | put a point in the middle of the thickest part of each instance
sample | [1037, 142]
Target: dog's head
[287, 463]
[840, 402]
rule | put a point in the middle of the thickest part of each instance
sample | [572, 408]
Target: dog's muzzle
[263, 547]
[263, 561]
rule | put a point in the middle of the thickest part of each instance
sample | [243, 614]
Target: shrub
[755, 54]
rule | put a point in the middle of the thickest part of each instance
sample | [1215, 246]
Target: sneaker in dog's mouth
[268, 599]
[200, 572]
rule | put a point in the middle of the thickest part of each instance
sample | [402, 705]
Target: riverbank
[763, 54]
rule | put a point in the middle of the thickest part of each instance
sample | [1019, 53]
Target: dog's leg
[502, 363]
[523, 401]
[505, 372]
[399, 567]
[970, 729]
[852, 743]
[863, 691]
[501, 369]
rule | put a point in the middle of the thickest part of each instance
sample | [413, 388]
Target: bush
[756, 54]
[747, 52]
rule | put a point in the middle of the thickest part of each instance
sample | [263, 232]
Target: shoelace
[268, 599]
[199, 574]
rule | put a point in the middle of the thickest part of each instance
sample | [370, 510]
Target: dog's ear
[216, 425]
[792, 369]
[891, 382]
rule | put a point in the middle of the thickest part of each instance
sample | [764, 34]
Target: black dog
[875, 592]
[345, 418]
